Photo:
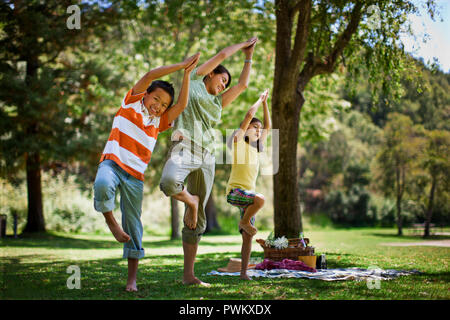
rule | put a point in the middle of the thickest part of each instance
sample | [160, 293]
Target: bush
[384, 210]
[350, 208]
[67, 220]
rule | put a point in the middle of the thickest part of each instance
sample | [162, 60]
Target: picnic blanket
[358, 274]
[284, 264]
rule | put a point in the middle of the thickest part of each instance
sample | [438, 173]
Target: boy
[128, 151]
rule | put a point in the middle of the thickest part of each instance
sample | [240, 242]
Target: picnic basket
[293, 251]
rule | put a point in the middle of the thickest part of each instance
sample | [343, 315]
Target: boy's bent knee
[103, 187]
[104, 195]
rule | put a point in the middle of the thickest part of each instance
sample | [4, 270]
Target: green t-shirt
[201, 114]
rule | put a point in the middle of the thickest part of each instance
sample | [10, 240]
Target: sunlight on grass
[35, 268]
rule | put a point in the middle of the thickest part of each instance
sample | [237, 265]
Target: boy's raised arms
[183, 97]
[159, 72]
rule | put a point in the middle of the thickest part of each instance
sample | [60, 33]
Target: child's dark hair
[164, 85]
[258, 144]
[221, 69]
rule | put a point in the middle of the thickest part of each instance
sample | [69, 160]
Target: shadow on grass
[55, 241]
[179, 243]
[160, 277]
[49, 240]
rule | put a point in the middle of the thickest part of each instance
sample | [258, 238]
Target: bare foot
[190, 218]
[117, 232]
[195, 280]
[131, 287]
[245, 277]
[247, 227]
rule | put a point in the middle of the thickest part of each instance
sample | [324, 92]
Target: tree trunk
[399, 218]
[399, 201]
[35, 220]
[430, 209]
[287, 215]
[211, 215]
[174, 218]
[287, 100]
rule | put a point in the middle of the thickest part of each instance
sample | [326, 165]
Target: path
[434, 243]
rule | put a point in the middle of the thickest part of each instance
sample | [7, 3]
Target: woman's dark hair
[219, 70]
[166, 86]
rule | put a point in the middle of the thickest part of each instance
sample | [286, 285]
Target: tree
[327, 34]
[436, 163]
[399, 150]
[423, 96]
[39, 119]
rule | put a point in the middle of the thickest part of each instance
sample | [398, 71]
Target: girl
[247, 141]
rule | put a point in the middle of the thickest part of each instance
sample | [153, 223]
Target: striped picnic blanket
[358, 274]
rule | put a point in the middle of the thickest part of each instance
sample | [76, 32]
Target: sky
[436, 33]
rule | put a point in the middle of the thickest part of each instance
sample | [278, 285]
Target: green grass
[35, 268]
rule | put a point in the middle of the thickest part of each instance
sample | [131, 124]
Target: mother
[194, 141]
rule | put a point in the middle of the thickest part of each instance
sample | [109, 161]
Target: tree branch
[301, 36]
[284, 31]
[340, 44]
[283, 44]
[295, 7]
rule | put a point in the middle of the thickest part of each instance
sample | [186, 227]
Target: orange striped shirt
[133, 136]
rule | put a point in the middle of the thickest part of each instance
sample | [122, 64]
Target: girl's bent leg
[252, 209]
[250, 212]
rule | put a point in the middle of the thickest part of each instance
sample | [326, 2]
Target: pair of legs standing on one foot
[249, 203]
[110, 178]
[189, 249]
[122, 237]
[196, 165]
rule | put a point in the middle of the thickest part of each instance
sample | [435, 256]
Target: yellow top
[245, 166]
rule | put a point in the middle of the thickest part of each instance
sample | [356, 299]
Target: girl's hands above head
[264, 95]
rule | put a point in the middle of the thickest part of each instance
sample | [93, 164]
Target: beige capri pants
[188, 160]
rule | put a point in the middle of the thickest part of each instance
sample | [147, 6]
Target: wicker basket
[294, 250]
[297, 242]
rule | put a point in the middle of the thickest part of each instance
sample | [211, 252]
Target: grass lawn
[36, 268]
